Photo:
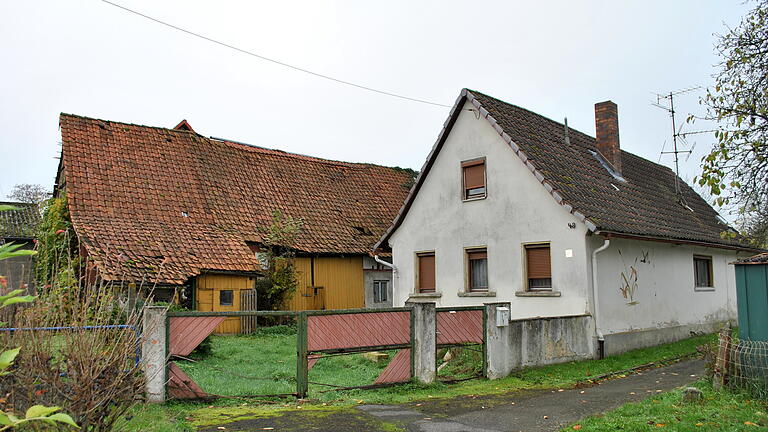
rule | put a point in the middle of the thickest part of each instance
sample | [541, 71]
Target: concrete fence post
[424, 331]
[498, 340]
[154, 352]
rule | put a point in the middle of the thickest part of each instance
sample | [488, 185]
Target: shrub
[90, 369]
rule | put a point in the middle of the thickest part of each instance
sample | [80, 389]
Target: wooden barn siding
[207, 297]
[340, 277]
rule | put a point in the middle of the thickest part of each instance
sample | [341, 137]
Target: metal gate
[462, 327]
[361, 330]
[318, 335]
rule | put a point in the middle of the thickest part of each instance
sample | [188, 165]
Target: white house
[513, 207]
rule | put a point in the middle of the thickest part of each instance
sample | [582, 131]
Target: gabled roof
[144, 198]
[644, 204]
[20, 223]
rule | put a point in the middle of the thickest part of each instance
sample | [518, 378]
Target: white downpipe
[382, 262]
[595, 295]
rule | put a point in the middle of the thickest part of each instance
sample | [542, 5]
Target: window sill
[704, 289]
[475, 198]
[537, 294]
[477, 294]
[426, 295]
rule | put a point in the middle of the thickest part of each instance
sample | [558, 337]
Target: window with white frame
[380, 288]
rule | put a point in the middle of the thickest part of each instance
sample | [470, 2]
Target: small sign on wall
[569, 253]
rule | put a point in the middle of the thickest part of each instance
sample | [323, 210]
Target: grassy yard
[271, 353]
[265, 364]
[718, 411]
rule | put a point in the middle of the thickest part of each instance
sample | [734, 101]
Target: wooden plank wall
[341, 278]
[209, 286]
[248, 302]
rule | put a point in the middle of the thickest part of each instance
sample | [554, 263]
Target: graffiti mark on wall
[645, 259]
[628, 281]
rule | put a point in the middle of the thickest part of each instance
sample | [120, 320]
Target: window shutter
[473, 255]
[539, 262]
[426, 272]
[474, 176]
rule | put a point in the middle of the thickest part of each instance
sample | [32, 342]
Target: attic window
[473, 179]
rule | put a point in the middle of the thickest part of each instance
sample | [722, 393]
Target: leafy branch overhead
[736, 169]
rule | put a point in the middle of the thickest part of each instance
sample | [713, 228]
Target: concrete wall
[664, 306]
[542, 341]
[517, 210]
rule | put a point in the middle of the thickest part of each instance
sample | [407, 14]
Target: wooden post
[302, 365]
[723, 360]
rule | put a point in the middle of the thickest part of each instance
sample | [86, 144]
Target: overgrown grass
[273, 351]
[718, 411]
[265, 364]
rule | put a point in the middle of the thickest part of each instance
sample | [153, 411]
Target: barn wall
[207, 292]
[341, 279]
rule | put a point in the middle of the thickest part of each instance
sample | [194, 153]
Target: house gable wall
[517, 210]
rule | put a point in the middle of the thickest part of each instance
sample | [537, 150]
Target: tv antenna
[677, 134]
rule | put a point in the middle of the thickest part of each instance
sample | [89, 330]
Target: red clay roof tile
[161, 205]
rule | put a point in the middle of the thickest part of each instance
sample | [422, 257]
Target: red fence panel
[186, 333]
[462, 326]
[398, 369]
[181, 386]
[357, 330]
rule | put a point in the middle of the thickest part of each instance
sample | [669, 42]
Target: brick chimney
[607, 133]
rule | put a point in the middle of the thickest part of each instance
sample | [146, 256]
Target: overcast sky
[556, 58]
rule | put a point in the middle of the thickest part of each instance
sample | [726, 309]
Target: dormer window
[473, 179]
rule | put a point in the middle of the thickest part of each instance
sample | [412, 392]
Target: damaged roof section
[163, 204]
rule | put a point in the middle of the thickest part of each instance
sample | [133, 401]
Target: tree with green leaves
[736, 169]
[279, 281]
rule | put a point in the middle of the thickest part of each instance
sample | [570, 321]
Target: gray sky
[556, 58]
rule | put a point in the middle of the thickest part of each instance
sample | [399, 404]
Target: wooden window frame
[526, 281]
[417, 270]
[471, 163]
[468, 270]
[711, 271]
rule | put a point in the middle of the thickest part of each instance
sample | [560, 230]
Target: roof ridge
[278, 152]
[63, 114]
[17, 203]
[563, 125]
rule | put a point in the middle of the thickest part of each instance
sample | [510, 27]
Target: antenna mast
[675, 132]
